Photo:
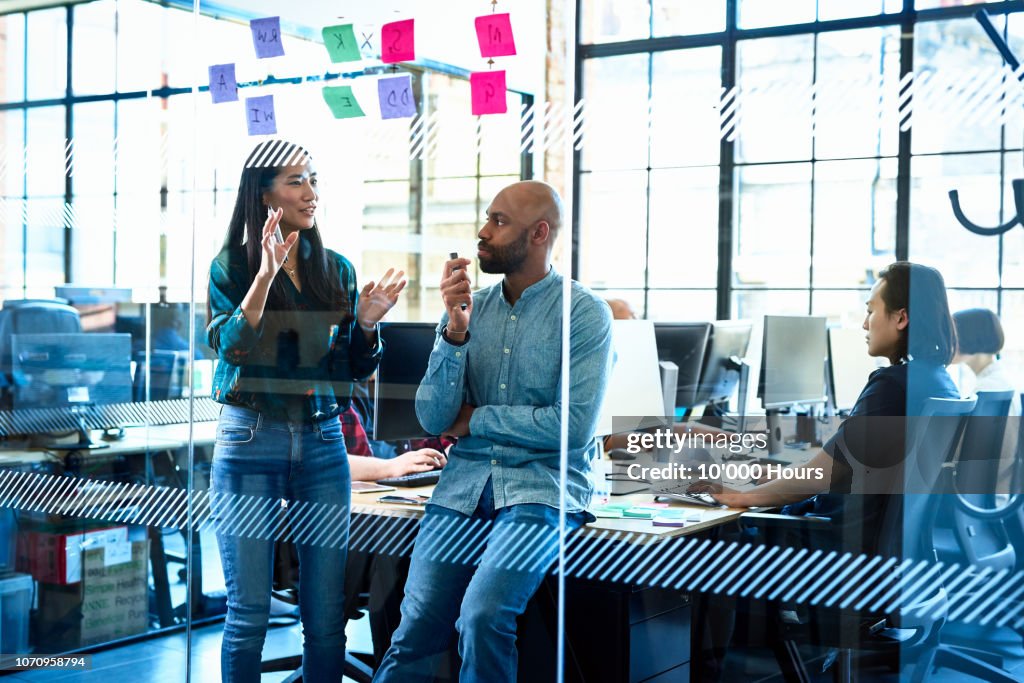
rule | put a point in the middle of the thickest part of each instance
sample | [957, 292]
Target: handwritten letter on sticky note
[396, 42]
[341, 43]
[396, 98]
[494, 33]
[266, 37]
[488, 90]
[223, 87]
[342, 102]
[259, 115]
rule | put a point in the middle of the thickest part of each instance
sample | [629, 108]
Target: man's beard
[507, 259]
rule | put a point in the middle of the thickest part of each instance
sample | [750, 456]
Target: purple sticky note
[396, 100]
[266, 37]
[223, 87]
[259, 115]
[488, 89]
[396, 42]
[494, 33]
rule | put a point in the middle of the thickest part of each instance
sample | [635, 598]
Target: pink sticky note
[396, 42]
[494, 33]
[488, 88]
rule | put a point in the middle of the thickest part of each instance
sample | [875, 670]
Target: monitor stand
[84, 443]
[773, 416]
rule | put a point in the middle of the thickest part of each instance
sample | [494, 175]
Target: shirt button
[513, 318]
[494, 462]
[502, 386]
[458, 354]
[508, 350]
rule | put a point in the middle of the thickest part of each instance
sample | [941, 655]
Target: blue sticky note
[266, 37]
[396, 100]
[223, 87]
[259, 115]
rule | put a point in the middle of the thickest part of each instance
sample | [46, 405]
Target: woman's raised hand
[274, 253]
[377, 299]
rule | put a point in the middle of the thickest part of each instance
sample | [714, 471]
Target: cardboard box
[53, 553]
[109, 602]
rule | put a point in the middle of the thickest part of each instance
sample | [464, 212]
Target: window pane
[48, 45]
[92, 240]
[854, 220]
[775, 76]
[634, 297]
[93, 171]
[12, 56]
[612, 206]
[44, 163]
[857, 105]
[138, 63]
[1013, 241]
[609, 21]
[758, 13]
[12, 150]
[684, 228]
[12, 258]
[773, 220]
[681, 306]
[685, 94]
[843, 308]
[94, 48]
[138, 148]
[45, 245]
[688, 17]
[616, 108]
[936, 237]
[844, 9]
[956, 99]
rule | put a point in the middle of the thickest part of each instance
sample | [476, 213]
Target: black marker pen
[455, 255]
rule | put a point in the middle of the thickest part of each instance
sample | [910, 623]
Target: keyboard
[413, 480]
[679, 492]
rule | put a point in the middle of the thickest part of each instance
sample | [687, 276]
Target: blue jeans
[257, 464]
[475, 574]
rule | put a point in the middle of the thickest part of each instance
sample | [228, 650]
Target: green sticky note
[341, 43]
[342, 102]
[607, 513]
[639, 513]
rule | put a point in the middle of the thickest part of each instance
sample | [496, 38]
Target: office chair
[31, 316]
[911, 633]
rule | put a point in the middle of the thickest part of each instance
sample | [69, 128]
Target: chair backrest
[932, 439]
[14, 303]
[33, 317]
[983, 542]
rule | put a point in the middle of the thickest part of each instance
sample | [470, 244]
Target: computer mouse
[621, 454]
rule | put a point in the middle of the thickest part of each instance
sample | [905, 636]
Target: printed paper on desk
[259, 115]
[397, 42]
[266, 37]
[488, 91]
[223, 87]
[343, 102]
[494, 34]
[396, 100]
[341, 43]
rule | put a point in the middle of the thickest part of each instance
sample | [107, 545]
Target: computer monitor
[402, 367]
[723, 361]
[848, 366]
[792, 361]
[71, 371]
[683, 344]
[634, 387]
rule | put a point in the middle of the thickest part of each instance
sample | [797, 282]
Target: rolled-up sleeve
[362, 358]
[441, 392]
[229, 333]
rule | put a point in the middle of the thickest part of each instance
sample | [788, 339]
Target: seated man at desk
[494, 381]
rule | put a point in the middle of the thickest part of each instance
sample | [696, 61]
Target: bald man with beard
[493, 381]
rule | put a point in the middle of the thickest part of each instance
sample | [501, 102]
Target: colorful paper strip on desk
[639, 513]
[607, 512]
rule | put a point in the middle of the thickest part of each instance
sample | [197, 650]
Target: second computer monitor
[684, 344]
[849, 366]
[792, 361]
[407, 348]
[722, 362]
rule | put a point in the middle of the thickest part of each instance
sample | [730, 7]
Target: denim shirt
[510, 369]
[298, 364]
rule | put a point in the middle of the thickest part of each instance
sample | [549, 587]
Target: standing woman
[292, 334]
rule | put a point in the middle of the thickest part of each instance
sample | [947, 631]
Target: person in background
[621, 309]
[979, 340]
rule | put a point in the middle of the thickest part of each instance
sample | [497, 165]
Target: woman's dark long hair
[319, 275]
[930, 334]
